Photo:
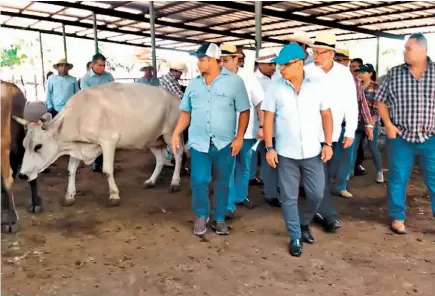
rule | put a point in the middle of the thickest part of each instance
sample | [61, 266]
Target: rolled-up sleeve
[270, 100]
[49, 95]
[241, 98]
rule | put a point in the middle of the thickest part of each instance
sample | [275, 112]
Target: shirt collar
[92, 73]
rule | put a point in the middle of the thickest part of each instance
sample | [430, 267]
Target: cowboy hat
[63, 61]
[301, 37]
[326, 40]
[345, 53]
[265, 55]
[146, 65]
[229, 50]
[177, 65]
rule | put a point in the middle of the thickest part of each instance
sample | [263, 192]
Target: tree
[12, 56]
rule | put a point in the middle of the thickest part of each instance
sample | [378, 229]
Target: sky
[80, 51]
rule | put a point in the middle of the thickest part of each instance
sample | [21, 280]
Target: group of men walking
[304, 114]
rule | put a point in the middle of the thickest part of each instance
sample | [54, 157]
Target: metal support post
[95, 32]
[41, 51]
[258, 15]
[153, 37]
[64, 42]
[377, 55]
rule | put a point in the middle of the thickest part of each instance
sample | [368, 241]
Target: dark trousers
[326, 208]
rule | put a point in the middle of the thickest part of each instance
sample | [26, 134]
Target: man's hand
[347, 142]
[175, 142]
[369, 133]
[326, 153]
[272, 158]
[260, 134]
[236, 146]
[392, 131]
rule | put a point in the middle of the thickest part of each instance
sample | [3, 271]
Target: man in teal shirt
[97, 75]
[148, 77]
[210, 104]
[60, 87]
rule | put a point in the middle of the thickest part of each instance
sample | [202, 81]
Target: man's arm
[111, 79]
[257, 98]
[351, 108]
[76, 87]
[243, 124]
[327, 124]
[49, 95]
[269, 106]
[243, 106]
[84, 82]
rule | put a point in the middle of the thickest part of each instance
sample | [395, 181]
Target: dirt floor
[146, 246]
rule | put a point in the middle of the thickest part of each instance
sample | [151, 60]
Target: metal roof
[182, 25]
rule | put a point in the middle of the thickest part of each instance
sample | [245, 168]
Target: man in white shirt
[340, 86]
[240, 181]
[265, 70]
[296, 109]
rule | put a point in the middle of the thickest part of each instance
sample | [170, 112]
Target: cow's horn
[21, 120]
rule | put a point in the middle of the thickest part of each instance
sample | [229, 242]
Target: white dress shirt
[256, 96]
[298, 121]
[339, 85]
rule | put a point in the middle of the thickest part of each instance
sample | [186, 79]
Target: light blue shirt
[214, 110]
[154, 81]
[91, 79]
[59, 90]
[298, 120]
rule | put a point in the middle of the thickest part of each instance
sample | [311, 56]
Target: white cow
[99, 120]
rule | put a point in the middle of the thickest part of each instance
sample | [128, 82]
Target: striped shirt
[370, 93]
[171, 84]
[411, 102]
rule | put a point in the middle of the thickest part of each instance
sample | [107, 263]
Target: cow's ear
[46, 118]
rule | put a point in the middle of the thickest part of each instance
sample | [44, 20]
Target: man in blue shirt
[296, 109]
[210, 104]
[148, 77]
[60, 87]
[97, 75]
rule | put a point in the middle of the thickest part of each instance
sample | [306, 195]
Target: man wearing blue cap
[210, 104]
[297, 109]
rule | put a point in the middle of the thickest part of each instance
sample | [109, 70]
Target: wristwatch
[268, 148]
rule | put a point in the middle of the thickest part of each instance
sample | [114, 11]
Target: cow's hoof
[148, 184]
[114, 202]
[10, 228]
[174, 188]
[35, 209]
[66, 202]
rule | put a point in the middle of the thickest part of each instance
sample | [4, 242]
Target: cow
[13, 103]
[99, 120]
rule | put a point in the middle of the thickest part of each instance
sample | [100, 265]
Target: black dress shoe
[274, 202]
[255, 182]
[307, 235]
[246, 203]
[295, 248]
[359, 171]
[328, 225]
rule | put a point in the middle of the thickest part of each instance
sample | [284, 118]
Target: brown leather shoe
[398, 227]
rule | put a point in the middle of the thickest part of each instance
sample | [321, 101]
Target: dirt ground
[146, 246]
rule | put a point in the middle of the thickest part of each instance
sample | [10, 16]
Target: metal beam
[315, 6]
[99, 27]
[153, 38]
[141, 18]
[258, 8]
[184, 9]
[377, 54]
[49, 32]
[304, 19]
[41, 51]
[94, 16]
[360, 8]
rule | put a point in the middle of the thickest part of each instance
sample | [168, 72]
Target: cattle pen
[146, 246]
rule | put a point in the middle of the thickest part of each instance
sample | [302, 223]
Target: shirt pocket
[223, 99]
[195, 100]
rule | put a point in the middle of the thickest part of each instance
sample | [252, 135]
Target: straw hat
[326, 40]
[342, 53]
[229, 50]
[177, 65]
[146, 65]
[62, 61]
[301, 37]
[265, 55]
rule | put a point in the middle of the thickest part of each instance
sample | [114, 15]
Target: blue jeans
[169, 155]
[401, 159]
[374, 149]
[343, 162]
[240, 178]
[268, 175]
[221, 164]
[254, 163]
[290, 172]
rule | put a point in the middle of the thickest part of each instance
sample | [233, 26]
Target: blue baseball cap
[289, 52]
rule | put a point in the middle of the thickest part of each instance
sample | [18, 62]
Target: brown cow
[13, 103]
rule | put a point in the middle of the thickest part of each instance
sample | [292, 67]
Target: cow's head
[41, 146]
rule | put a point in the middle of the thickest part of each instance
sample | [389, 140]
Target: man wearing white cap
[60, 87]
[266, 68]
[240, 181]
[170, 83]
[210, 104]
[148, 77]
[340, 86]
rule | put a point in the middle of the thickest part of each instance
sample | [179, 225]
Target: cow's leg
[9, 215]
[73, 164]
[159, 153]
[36, 203]
[175, 182]
[108, 162]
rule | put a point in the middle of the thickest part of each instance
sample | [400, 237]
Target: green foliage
[12, 56]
